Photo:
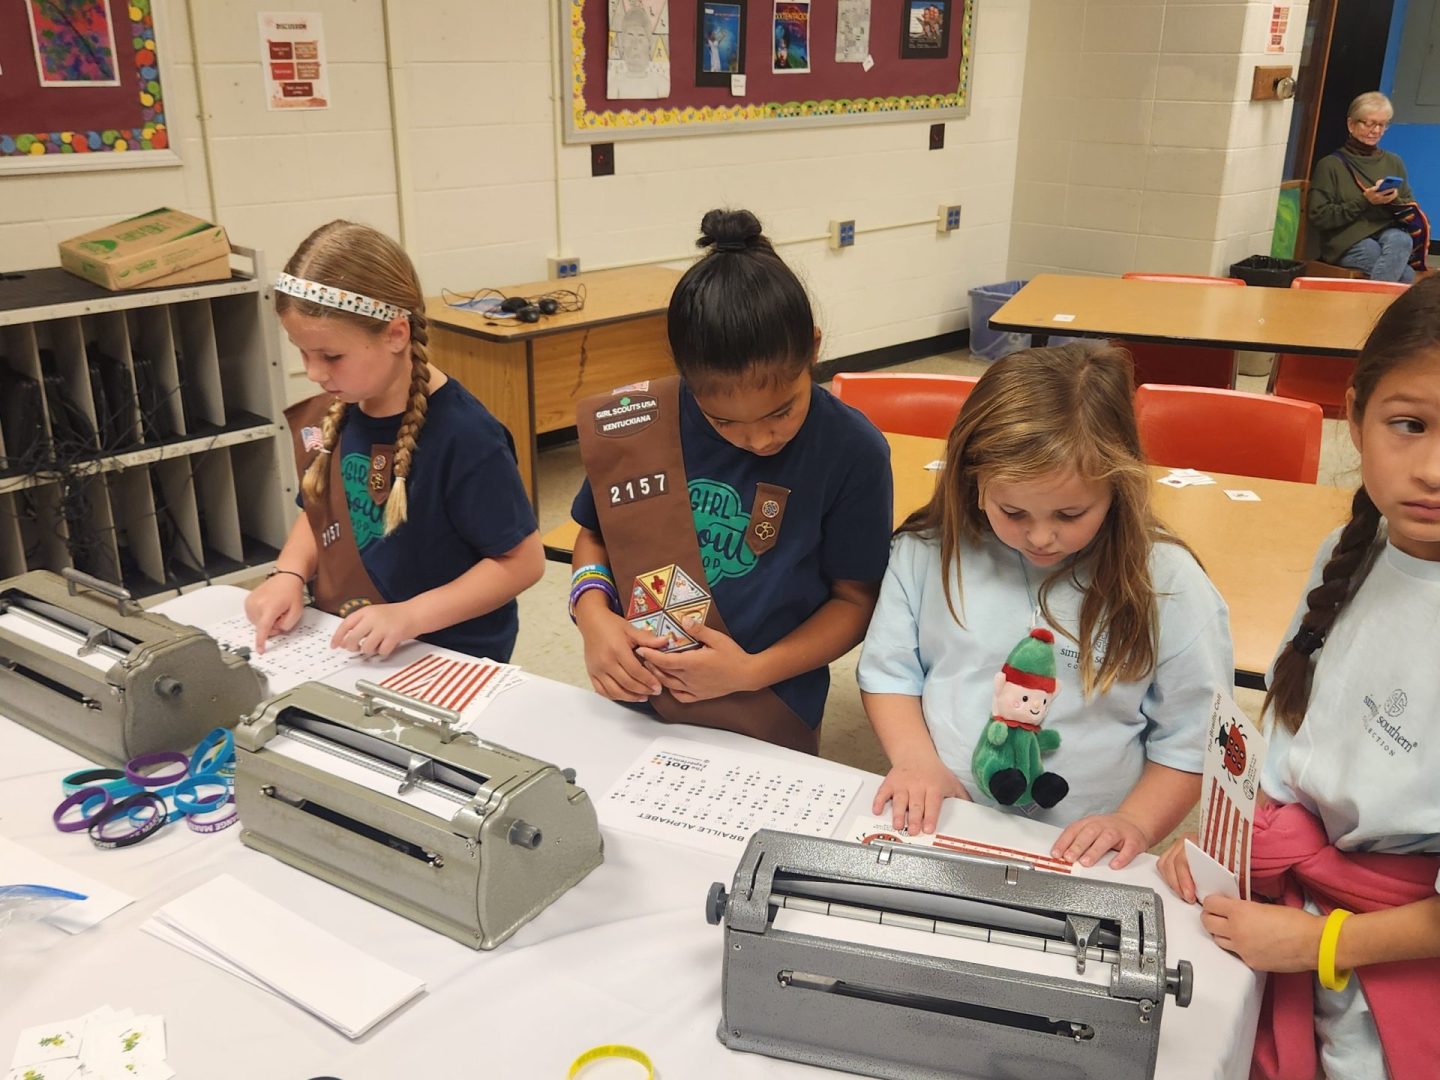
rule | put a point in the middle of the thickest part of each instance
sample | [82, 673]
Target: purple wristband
[586, 586]
[80, 798]
[134, 769]
[212, 821]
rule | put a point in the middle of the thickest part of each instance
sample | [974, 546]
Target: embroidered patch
[626, 414]
[312, 438]
[662, 600]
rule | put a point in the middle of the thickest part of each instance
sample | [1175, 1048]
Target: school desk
[1182, 313]
[1257, 553]
[530, 375]
[626, 956]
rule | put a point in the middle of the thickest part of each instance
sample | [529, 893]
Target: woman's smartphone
[1389, 183]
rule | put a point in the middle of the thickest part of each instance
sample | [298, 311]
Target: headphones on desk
[524, 309]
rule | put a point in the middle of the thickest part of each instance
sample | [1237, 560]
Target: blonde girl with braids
[416, 523]
[1042, 519]
[1350, 819]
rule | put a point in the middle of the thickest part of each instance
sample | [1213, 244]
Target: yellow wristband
[1329, 940]
[629, 1053]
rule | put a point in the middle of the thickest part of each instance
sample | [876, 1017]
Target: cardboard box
[162, 247]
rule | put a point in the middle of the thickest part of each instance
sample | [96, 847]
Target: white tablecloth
[624, 957]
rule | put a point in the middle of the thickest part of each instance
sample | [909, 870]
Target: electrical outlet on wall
[563, 266]
[842, 234]
[947, 218]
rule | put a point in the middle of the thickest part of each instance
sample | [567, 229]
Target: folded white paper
[295, 959]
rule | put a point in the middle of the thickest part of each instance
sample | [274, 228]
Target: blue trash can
[987, 344]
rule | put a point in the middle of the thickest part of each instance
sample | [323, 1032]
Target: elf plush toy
[1006, 762]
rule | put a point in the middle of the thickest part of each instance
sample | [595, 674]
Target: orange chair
[1184, 365]
[1229, 431]
[1322, 379]
[903, 403]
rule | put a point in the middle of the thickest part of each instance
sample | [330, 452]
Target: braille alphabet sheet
[714, 798]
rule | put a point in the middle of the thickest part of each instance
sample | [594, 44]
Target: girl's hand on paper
[375, 630]
[1175, 868]
[916, 790]
[1268, 937]
[274, 607]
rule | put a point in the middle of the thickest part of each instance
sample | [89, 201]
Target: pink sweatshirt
[1291, 858]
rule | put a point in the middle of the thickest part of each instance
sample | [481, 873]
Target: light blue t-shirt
[1365, 759]
[915, 647]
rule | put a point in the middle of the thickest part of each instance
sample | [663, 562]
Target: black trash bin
[1267, 270]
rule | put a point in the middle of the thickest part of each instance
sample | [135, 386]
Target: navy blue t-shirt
[836, 526]
[466, 503]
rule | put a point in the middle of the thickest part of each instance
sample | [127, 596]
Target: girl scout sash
[1408, 216]
[630, 444]
[341, 582]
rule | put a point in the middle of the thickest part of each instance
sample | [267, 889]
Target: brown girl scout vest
[630, 444]
[341, 582]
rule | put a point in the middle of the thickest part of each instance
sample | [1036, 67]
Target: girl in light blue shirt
[1042, 518]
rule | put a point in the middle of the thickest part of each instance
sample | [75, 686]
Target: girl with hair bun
[737, 489]
[1348, 819]
[416, 523]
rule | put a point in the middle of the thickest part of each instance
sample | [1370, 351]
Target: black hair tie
[1306, 641]
[731, 245]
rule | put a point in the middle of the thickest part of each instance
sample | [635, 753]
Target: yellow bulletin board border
[585, 123]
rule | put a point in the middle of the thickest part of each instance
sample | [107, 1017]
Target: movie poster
[638, 64]
[791, 49]
[722, 41]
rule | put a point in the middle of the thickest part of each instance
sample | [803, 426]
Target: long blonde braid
[398, 505]
[364, 260]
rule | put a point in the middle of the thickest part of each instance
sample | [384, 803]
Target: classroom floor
[550, 646]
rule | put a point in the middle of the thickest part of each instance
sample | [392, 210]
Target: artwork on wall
[74, 43]
[719, 42]
[639, 54]
[790, 51]
[852, 31]
[81, 86]
[925, 29]
[871, 85]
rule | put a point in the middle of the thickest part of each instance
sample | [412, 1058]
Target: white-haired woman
[1351, 201]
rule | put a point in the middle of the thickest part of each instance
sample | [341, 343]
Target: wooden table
[1265, 320]
[530, 375]
[1257, 553]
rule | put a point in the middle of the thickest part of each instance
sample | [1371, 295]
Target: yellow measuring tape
[629, 1053]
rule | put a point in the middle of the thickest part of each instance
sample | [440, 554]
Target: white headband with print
[340, 299]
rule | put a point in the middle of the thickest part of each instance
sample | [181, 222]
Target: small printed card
[1241, 495]
[1180, 478]
[869, 829]
[106, 1044]
[464, 686]
[1234, 756]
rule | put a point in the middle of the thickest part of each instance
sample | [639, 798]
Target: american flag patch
[311, 438]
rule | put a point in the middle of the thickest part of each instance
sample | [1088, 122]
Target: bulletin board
[80, 86]
[894, 87]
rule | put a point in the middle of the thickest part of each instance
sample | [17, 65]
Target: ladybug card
[1234, 756]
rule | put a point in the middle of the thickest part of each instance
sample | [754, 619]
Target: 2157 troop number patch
[640, 487]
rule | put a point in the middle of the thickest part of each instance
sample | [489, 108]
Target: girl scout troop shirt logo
[367, 518]
[720, 524]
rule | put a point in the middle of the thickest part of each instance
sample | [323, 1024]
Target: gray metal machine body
[521, 834]
[910, 1015]
[168, 684]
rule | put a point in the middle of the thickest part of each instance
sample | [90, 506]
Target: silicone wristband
[187, 800]
[617, 1050]
[1329, 940]
[112, 780]
[213, 821]
[134, 773]
[599, 569]
[123, 809]
[214, 752]
[586, 586]
[81, 799]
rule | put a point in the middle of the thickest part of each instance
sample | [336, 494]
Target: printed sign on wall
[292, 56]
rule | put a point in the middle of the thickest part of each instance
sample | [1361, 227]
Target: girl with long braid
[416, 522]
[1349, 819]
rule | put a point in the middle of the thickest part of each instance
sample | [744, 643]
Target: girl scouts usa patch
[625, 414]
[662, 601]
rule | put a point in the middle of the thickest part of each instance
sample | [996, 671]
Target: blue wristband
[112, 780]
[186, 796]
[592, 568]
[215, 753]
